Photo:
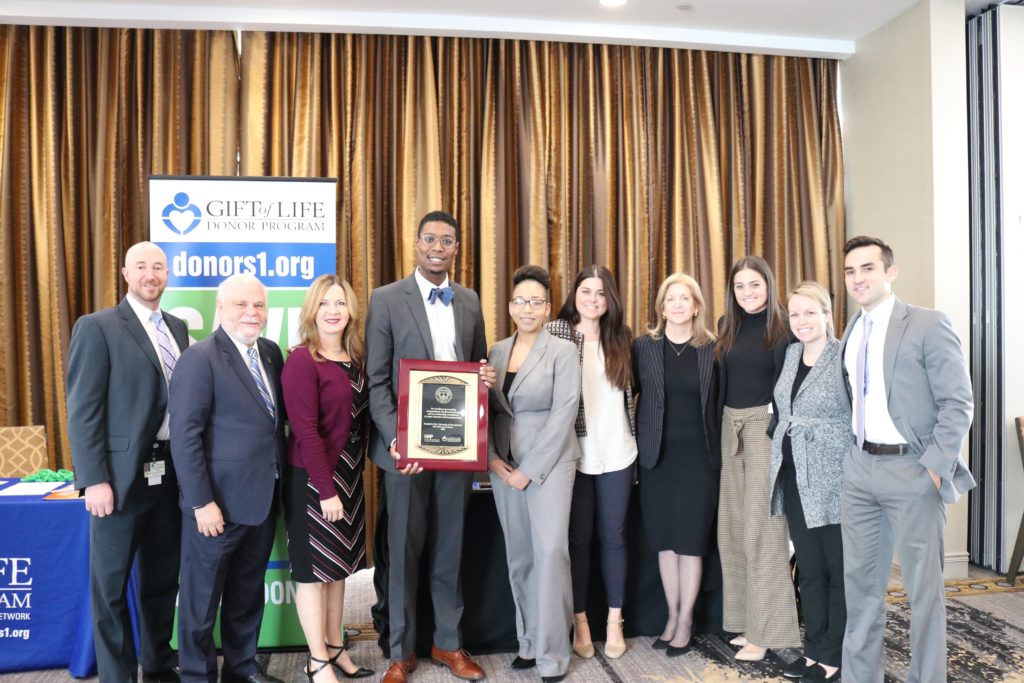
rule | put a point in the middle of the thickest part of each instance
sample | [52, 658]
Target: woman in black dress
[325, 395]
[678, 442]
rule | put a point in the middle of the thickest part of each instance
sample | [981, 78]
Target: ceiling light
[684, 6]
[614, 3]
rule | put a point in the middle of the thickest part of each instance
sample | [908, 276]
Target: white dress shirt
[878, 424]
[441, 319]
[162, 434]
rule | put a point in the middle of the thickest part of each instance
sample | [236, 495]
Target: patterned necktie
[254, 368]
[445, 294]
[163, 340]
[861, 380]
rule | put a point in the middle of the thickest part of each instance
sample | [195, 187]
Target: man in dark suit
[119, 363]
[227, 427]
[912, 408]
[423, 317]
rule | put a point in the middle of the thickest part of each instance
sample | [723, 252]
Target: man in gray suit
[119, 363]
[912, 409]
[423, 316]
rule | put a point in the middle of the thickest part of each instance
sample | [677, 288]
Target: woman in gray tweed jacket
[809, 444]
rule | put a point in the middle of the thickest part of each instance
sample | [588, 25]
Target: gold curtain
[85, 116]
[648, 160]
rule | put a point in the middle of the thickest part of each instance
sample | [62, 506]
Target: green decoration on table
[50, 475]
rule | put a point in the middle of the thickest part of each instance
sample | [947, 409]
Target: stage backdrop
[282, 230]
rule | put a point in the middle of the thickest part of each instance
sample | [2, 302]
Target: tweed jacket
[563, 330]
[818, 423]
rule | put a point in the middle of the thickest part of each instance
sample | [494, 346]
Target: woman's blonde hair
[351, 337]
[817, 293]
[701, 334]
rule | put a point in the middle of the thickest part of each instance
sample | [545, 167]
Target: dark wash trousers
[148, 530]
[226, 571]
[604, 499]
[819, 561]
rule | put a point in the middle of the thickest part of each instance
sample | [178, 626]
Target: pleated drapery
[647, 160]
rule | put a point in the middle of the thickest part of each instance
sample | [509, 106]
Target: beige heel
[615, 651]
[585, 651]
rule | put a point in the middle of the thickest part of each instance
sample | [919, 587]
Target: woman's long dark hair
[775, 329]
[616, 337]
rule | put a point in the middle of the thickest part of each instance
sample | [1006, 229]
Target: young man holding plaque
[423, 317]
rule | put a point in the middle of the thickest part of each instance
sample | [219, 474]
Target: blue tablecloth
[44, 585]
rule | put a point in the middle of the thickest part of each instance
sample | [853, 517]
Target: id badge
[154, 471]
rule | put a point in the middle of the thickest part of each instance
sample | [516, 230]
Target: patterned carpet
[986, 645]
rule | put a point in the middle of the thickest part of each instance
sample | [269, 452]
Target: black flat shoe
[817, 673]
[659, 644]
[523, 663]
[553, 679]
[797, 668]
[673, 651]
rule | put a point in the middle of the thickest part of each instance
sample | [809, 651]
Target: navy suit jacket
[117, 396]
[225, 445]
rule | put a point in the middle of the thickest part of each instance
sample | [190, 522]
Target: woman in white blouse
[592, 317]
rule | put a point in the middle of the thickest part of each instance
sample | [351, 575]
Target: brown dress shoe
[459, 663]
[399, 672]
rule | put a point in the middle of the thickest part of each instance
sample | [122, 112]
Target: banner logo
[182, 216]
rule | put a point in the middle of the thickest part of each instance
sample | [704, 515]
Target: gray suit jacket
[929, 389]
[396, 328]
[818, 423]
[535, 423]
[117, 396]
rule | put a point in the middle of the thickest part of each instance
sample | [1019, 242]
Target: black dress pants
[819, 559]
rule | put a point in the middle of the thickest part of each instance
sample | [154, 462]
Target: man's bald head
[145, 271]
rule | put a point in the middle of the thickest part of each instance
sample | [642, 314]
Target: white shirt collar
[141, 310]
[242, 348]
[426, 285]
[882, 311]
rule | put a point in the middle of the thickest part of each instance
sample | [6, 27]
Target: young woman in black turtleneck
[754, 546]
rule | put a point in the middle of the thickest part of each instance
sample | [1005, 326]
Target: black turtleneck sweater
[750, 365]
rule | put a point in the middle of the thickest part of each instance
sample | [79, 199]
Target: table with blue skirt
[44, 584]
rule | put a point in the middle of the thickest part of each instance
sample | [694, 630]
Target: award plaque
[442, 415]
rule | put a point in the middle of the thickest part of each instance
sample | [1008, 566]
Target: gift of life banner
[282, 230]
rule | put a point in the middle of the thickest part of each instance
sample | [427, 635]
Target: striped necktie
[257, 376]
[861, 381]
[163, 340]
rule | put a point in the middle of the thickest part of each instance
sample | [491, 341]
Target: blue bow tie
[445, 294]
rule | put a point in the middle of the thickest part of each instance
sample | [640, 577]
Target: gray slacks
[890, 501]
[426, 512]
[535, 523]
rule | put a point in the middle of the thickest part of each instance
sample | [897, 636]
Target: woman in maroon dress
[325, 396]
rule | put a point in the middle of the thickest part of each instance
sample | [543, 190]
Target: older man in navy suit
[119, 363]
[227, 427]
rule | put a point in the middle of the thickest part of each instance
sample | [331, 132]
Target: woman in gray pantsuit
[533, 454]
[810, 442]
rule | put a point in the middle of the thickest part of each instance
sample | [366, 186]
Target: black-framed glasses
[431, 239]
[535, 304]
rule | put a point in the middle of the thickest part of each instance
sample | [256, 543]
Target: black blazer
[117, 396]
[649, 383]
[225, 445]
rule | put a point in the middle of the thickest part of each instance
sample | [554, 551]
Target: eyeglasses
[431, 239]
[535, 304]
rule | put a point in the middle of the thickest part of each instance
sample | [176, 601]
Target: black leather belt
[885, 449]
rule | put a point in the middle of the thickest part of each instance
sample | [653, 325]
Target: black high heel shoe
[360, 672]
[324, 663]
